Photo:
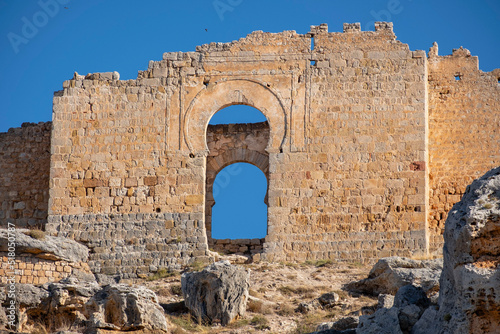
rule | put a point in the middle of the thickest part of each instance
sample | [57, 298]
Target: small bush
[186, 322]
[257, 306]
[162, 273]
[254, 293]
[286, 310]
[197, 266]
[319, 263]
[447, 317]
[260, 322]
[301, 290]
[176, 289]
[36, 234]
[239, 323]
[342, 294]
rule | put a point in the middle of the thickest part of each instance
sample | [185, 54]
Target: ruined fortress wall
[24, 175]
[464, 136]
[357, 190]
[31, 269]
[114, 184]
[346, 149]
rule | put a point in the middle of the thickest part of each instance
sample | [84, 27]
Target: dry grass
[260, 322]
[286, 310]
[162, 273]
[287, 290]
[257, 306]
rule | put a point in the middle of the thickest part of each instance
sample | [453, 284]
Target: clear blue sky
[43, 42]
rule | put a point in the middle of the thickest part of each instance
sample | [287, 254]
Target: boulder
[89, 306]
[469, 300]
[391, 273]
[384, 321]
[125, 308]
[46, 246]
[218, 293]
[411, 295]
[329, 299]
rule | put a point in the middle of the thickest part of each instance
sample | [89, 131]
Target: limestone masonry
[366, 147]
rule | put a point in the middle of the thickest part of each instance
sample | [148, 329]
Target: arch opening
[239, 210]
[237, 173]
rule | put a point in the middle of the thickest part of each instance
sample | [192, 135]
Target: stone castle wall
[30, 269]
[367, 144]
[464, 137]
[24, 175]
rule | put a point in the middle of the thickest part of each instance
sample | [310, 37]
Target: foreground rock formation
[87, 306]
[392, 273]
[217, 293]
[469, 300]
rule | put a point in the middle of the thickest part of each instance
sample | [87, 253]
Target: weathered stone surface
[427, 322]
[217, 293]
[411, 295]
[54, 248]
[125, 308]
[390, 274]
[86, 304]
[339, 325]
[384, 321]
[469, 300]
[385, 301]
[24, 176]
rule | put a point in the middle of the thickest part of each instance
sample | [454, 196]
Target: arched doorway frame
[224, 93]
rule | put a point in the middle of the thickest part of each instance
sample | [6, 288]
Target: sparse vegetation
[319, 263]
[301, 290]
[197, 266]
[257, 306]
[162, 273]
[487, 205]
[286, 310]
[278, 289]
[260, 322]
[239, 323]
[185, 321]
[36, 234]
[176, 289]
[254, 293]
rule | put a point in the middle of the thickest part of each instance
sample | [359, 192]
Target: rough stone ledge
[50, 247]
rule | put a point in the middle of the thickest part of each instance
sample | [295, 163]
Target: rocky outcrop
[87, 306]
[389, 274]
[469, 300]
[469, 297]
[410, 303]
[125, 308]
[219, 293]
[45, 246]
